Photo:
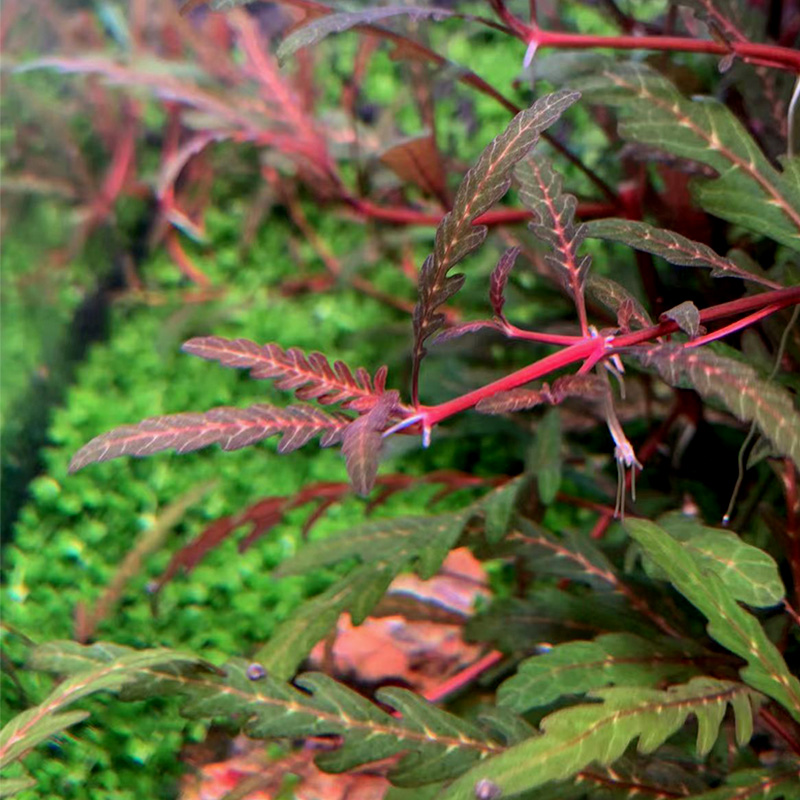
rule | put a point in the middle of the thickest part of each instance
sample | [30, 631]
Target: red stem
[766, 54]
[500, 216]
[598, 347]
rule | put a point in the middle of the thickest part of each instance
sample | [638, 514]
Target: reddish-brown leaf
[499, 279]
[418, 161]
[231, 428]
[309, 377]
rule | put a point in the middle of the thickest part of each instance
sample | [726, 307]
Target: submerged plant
[565, 707]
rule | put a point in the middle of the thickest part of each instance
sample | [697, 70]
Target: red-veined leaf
[499, 279]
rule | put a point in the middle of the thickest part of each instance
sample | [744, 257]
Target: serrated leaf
[499, 279]
[357, 594]
[546, 456]
[672, 247]
[435, 744]
[618, 299]
[482, 186]
[600, 733]
[37, 724]
[231, 428]
[782, 781]
[540, 189]
[498, 507]
[728, 623]
[318, 29]
[310, 377]
[687, 317]
[750, 574]
[737, 385]
[749, 190]
[618, 659]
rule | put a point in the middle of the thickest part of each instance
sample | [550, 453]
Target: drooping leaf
[672, 247]
[483, 185]
[37, 724]
[361, 442]
[417, 160]
[599, 733]
[749, 190]
[463, 328]
[546, 456]
[499, 279]
[687, 316]
[318, 29]
[618, 299]
[615, 659]
[231, 428]
[750, 574]
[540, 189]
[587, 386]
[728, 623]
[310, 377]
[736, 385]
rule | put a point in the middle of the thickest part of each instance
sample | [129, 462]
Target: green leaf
[781, 781]
[687, 316]
[579, 667]
[728, 623]
[12, 786]
[672, 247]
[575, 737]
[293, 639]
[436, 745]
[498, 507]
[749, 190]
[37, 724]
[546, 455]
[750, 574]
[737, 385]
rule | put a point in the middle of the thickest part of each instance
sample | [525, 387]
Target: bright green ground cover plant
[661, 603]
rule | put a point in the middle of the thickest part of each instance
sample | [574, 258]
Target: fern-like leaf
[310, 377]
[749, 190]
[618, 659]
[231, 428]
[588, 386]
[750, 574]
[672, 247]
[540, 189]
[600, 733]
[109, 671]
[783, 781]
[737, 386]
[436, 745]
[483, 185]
[499, 279]
[728, 623]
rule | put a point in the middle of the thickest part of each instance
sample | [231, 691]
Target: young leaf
[618, 299]
[749, 190]
[499, 279]
[232, 428]
[483, 185]
[672, 247]
[540, 189]
[737, 385]
[779, 782]
[37, 724]
[361, 442]
[617, 659]
[310, 377]
[728, 623]
[575, 737]
[687, 316]
[750, 574]
[588, 386]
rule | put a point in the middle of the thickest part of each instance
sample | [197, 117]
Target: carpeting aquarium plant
[633, 646]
